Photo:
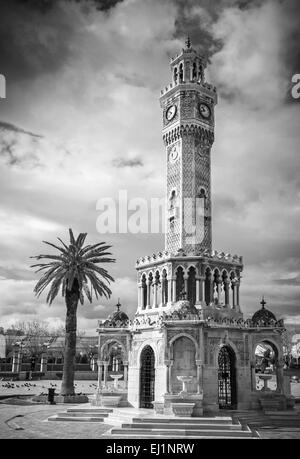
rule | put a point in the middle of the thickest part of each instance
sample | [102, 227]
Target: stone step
[83, 415]
[286, 414]
[180, 433]
[175, 437]
[179, 426]
[75, 418]
[189, 420]
[90, 410]
[117, 420]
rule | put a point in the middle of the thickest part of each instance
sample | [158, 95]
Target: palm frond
[56, 247]
[100, 247]
[62, 242]
[72, 239]
[75, 262]
[80, 240]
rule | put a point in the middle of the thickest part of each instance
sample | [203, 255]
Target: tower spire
[263, 302]
[188, 42]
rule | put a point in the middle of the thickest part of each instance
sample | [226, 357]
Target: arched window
[181, 73]
[179, 283]
[175, 75]
[194, 74]
[227, 378]
[144, 289]
[191, 294]
[164, 287]
[208, 295]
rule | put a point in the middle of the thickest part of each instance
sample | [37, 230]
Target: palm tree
[74, 270]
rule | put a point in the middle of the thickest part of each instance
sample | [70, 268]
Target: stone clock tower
[188, 132]
[189, 326]
[188, 267]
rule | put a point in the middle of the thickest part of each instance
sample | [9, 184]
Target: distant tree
[75, 273]
[287, 337]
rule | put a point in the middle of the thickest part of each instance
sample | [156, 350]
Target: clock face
[204, 110]
[171, 112]
[174, 153]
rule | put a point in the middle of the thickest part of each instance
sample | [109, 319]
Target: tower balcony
[160, 257]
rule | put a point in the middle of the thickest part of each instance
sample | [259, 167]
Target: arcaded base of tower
[218, 358]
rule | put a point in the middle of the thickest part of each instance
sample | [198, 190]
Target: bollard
[51, 394]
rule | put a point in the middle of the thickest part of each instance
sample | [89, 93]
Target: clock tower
[188, 268]
[188, 132]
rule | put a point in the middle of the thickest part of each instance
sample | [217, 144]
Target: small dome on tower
[118, 318]
[263, 315]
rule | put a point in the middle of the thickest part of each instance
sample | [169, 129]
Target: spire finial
[118, 305]
[188, 42]
[263, 302]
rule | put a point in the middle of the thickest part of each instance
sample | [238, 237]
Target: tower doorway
[147, 378]
[226, 378]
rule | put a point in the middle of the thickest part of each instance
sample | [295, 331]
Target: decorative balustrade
[157, 321]
[205, 85]
[206, 254]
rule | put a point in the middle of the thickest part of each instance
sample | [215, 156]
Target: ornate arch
[144, 344]
[181, 335]
[227, 342]
[260, 339]
[113, 340]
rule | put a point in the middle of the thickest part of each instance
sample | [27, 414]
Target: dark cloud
[11, 127]
[45, 5]
[36, 35]
[122, 162]
[199, 26]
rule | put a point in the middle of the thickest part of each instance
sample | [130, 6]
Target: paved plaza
[20, 418]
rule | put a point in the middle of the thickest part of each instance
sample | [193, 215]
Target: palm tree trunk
[72, 298]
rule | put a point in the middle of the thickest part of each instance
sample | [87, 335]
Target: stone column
[17, 358]
[100, 370]
[174, 289]
[186, 285]
[168, 363]
[202, 290]
[279, 377]
[238, 295]
[148, 294]
[253, 375]
[169, 389]
[43, 366]
[155, 295]
[219, 282]
[226, 286]
[169, 290]
[105, 364]
[125, 374]
[140, 297]
[198, 290]
[211, 299]
[199, 376]
[233, 283]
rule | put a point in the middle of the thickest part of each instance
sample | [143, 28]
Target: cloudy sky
[82, 121]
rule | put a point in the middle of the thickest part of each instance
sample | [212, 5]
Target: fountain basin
[265, 378]
[116, 379]
[184, 409]
[185, 380]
